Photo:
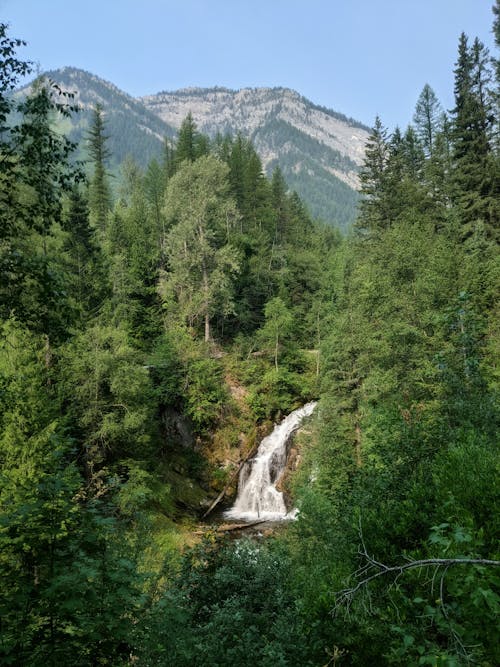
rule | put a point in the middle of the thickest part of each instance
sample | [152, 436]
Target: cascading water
[258, 497]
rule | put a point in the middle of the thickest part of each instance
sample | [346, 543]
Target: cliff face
[257, 112]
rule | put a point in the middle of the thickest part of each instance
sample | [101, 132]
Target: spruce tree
[86, 274]
[190, 143]
[476, 187]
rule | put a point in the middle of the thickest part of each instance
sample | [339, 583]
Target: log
[226, 528]
[231, 480]
[223, 492]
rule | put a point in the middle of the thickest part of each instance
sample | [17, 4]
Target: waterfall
[258, 497]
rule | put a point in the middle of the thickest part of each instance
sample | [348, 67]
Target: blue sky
[359, 57]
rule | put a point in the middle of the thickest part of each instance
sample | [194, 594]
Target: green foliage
[191, 145]
[205, 394]
[406, 459]
[229, 605]
[427, 118]
[110, 402]
[277, 393]
[202, 261]
[37, 175]
[277, 327]
[109, 397]
[99, 190]
[65, 582]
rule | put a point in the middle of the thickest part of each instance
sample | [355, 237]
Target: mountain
[319, 150]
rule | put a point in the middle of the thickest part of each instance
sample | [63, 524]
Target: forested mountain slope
[131, 128]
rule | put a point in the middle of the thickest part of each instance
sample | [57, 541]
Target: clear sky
[359, 57]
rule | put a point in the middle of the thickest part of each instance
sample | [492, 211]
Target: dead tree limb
[239, 526]
[231, 480]
[348, 593]
[373, 569]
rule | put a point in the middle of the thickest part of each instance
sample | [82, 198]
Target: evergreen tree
[373, 215]
[475, 181]
[201, 259]
[99, 190]
[168, 161]
[427, 118]
[279, 203]
[190, 143]
[154, 189]
[496, 63]
[85, 267]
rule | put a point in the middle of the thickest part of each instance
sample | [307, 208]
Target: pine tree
[86, 274]
[427, 118]
[190, 143]
[168, 159]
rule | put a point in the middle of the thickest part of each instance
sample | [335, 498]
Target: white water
[258, 498]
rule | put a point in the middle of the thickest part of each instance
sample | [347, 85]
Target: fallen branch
[223, 492]
[231, 480]
[229, 527]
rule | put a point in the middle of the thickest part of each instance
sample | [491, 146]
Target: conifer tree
[373, 215]
[85, 267]
[99, 190]
[190, 143]
[427, 117]
[168, 159]
[475, 182]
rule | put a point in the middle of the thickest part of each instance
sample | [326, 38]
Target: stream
[258, 498]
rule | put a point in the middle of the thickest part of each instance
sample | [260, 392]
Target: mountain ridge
[225, 89]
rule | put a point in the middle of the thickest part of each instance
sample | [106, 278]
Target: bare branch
[346, 595]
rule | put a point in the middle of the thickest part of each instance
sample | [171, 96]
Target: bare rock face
[177, 429]
[251, 111]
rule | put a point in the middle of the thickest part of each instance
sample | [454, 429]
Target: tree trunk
[207, 327]
[205, 291]
[357, 431]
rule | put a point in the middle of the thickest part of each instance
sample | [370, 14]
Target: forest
[156, 325]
